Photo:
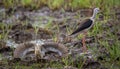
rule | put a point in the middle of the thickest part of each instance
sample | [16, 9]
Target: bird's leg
[83, 42]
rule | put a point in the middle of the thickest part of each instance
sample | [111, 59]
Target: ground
[24, 25]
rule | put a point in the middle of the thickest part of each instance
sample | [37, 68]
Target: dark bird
[84, 26]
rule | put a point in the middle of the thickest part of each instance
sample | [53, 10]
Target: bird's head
[96, 10]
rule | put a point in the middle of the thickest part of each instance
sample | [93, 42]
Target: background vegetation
[107, 7]
[66, 4]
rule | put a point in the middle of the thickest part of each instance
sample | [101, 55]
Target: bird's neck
[93, 16]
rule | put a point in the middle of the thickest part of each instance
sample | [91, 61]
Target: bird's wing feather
[84, 25]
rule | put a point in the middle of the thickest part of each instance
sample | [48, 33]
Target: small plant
[8, 3]
[26, 2]
[68, 30]
[36, 31]
[80, 4]
[49, 24]
[66, 61]
[113, 50]
[55, 4]
[5, 31]
[105, 5]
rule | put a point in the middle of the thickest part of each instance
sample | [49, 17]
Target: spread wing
[84, 25]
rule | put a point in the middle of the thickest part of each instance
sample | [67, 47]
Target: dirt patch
[53, 26]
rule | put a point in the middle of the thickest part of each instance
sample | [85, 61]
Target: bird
[84, 26]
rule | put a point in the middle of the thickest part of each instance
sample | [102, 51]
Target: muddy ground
[20, 25]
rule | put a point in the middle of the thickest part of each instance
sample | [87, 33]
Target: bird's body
[85, 25]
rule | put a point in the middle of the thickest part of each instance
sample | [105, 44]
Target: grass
[111, 47]
[56, 4]
[110, 42]
[26, 2]
[80, 3]
[6, 29]
[105, 6]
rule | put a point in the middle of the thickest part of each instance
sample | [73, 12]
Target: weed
[26, 2]
[55, 4]
[105, 5]
[5, 30]
[8, 3]
[80, 4]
